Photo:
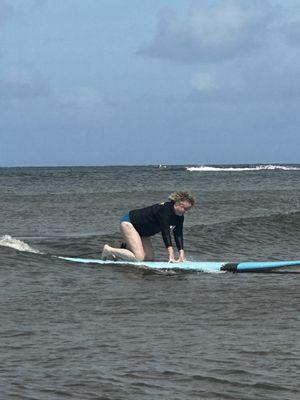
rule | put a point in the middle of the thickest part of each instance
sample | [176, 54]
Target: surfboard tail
[266, 266]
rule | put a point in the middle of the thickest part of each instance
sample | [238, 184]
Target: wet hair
[180, 196]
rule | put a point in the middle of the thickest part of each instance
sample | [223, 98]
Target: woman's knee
[139, 255]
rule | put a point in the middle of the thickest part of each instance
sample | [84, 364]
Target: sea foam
[205, 168]
[9, 241]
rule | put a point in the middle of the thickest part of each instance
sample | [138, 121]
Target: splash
[8, 241]
[242, 169]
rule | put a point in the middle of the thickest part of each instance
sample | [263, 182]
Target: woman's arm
[178, 236]
[165, 215]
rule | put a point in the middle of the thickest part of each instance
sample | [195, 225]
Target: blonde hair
[180, 196]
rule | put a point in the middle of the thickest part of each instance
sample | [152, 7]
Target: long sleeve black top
[159, 218]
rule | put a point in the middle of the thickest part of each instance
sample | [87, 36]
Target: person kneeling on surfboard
[139, 225]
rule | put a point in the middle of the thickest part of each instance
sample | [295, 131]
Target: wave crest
[270, 167]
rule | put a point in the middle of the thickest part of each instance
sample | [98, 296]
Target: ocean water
[91, 332]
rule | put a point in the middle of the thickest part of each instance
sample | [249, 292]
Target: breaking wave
[205, 168]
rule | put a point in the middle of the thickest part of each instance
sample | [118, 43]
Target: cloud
[23, 82]
[250, 53]
[259, 84]
[212, 31]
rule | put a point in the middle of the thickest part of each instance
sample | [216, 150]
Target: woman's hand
[172, 258]
[171, 255]
[181, 256]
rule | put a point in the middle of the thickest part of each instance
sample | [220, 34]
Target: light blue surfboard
[202, 266]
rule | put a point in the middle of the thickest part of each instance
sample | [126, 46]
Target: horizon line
[146, 165]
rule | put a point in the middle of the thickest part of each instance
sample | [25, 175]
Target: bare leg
[112, 253]
[148, 248]
[132, 238]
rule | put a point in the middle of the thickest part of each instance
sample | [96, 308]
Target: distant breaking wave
[204, 168]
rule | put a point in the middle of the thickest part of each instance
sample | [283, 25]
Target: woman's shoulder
[164, 208]
[167, 204]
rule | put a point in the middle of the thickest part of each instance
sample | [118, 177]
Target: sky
[115, 82]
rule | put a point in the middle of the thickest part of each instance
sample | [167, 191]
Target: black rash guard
[159, 218]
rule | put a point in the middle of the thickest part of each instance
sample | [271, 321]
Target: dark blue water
[86, 332]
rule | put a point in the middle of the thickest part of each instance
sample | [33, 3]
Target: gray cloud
[21, 82]
[247, 51]
[260, 84]
[212, 31]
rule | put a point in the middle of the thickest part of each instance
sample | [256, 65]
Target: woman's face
[182, 207]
